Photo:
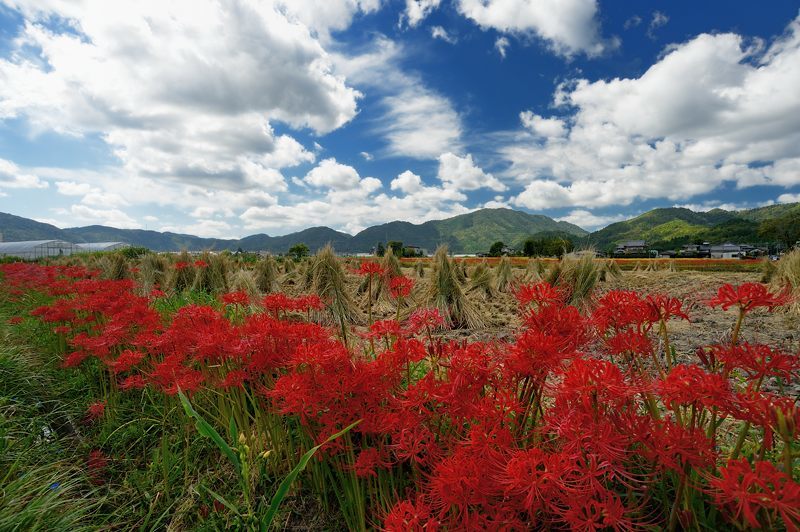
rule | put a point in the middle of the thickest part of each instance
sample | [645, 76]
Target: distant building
[631, 247]
[696, 250]
[36, 249]
[415, 251]
[726, 251]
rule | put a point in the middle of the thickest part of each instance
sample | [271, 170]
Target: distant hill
[670, 228]
[667, 228]
[466, 233]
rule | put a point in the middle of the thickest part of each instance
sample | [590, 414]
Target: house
[631, 247]
[726, 251]
[696, 250]
[414, 251]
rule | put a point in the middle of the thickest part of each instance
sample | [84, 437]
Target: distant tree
[497, 249]
[380, 251]
[784, 229]
[298, 251]
[397, 247]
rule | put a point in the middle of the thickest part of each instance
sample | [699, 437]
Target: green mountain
[16, 228]
[671, 228]
[467, 233]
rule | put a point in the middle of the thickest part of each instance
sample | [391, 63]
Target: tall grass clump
[504, 276]
[266, 274]
[787, 276]
[445, 292]
[535, 270]
[577, 276]
[182, 273]
[481, 281]
[212, 274]
[243, 280]
[419, 269]
[153, 270]
[328, 281]
[114, 267]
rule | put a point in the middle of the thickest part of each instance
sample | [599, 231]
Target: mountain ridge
[466, 233]
[663, 228]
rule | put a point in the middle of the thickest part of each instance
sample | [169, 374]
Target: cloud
[543, 127]
[632, 22]
[417, 10]
[172, 105]
[501, 44]
[659, 19]
[366, 156]
[789, 198]
[589, 221]
[416, 122]
[438, 32]
[12, 177]
[569, 27]
[80, 214]
[331, 174]
[355, 209]
[461, 173]
[715, 109]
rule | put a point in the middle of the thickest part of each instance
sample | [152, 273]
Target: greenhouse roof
[99, 245]
[9, 248]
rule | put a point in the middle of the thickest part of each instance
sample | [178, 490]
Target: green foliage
[784, 229]
[396, 247]
[299, 251]
[547, 246]
[380, 249]
[496, 249]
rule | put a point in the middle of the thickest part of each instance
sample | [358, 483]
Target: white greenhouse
[36, 249]
[100, 246]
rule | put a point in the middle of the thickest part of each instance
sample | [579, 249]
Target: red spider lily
[200, 264]
[748, 296]
[664, 308]
[619, 309]
[281, 302]
[181, 265]
[126, 361]
[134, 382]
[674, 447]
[236, 298]
[629, 342]
[400, 286]
[690, 384]
[757, 361]
[96, 466]
[409, 516]
[95, 410]
[62, 329]
[538, 294]
[756, 494]
[773, 413]
[425, 319]
[370, 268]
[384, 329]
[233, 379]
[15, 320]
[368, 461]
[156, 293]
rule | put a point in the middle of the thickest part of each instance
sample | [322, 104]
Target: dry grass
[481, 281]
[212, 278]
[577, 276]
[266, 274]
[243, 281]
[329, 282]
[787, 274]
[504, 275]
[153, 270]
[445, 292]
[179, 280]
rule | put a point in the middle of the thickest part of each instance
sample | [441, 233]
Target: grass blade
[208, 431]
[283, 489]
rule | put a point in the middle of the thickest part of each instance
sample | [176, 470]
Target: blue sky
[227, 118]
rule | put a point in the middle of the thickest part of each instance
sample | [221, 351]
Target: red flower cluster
[560, 427]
